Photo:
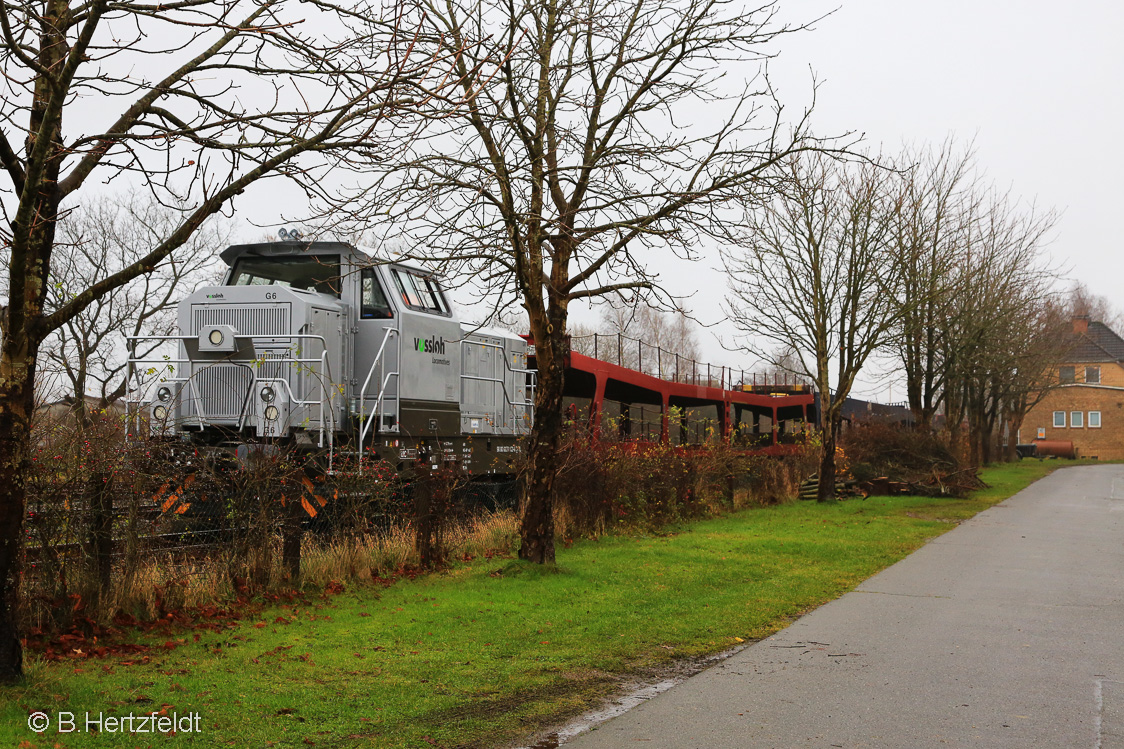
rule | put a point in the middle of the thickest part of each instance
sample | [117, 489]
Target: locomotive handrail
[506, 397]
[378, 402]
[197, 400]
[326, 371]
[527, 403]
[137, 401]
[130, 373]
[364, 422]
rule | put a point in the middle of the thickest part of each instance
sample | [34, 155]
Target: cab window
[372, 303]
[320, 273]
[420, 292]
[438, 297]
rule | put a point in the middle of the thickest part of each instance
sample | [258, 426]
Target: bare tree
[89, 350]
[1082, 302]
[783, 362]
[586, 150]
[662, 343]
[929, 237]
[1004, 284]
[584, 338]
[815, 275]
[1040, 342]
[98, 239]
[195, 100]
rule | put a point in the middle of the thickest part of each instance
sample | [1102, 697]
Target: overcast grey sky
[1038, 86]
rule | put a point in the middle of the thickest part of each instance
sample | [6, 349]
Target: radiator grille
[247, 319]
[223, 389]
[273, 366]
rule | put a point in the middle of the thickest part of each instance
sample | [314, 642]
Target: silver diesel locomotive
[315, 344]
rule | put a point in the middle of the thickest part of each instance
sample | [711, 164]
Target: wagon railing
[665, 364]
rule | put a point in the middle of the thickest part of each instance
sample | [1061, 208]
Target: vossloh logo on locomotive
[430, 345]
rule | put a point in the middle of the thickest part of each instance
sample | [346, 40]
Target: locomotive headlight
[164, 394]
[271, 413]
[160, 412]
[267, 394]
[215, 338]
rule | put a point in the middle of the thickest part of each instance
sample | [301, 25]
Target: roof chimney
[1080, 324]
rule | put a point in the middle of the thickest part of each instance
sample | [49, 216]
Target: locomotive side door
[376, 316]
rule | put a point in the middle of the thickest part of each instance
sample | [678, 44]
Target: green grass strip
[493, 650]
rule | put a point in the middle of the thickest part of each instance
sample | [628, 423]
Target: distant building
[1087, 408]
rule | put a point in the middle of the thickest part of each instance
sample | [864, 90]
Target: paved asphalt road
[1006, 632]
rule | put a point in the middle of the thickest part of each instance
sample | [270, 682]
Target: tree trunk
[973, 448]
[31, 241]
[16, 406]
[987, 444]
[826, 491]
[1014, 424]
[433, 501]
[956, 440]
[537, 479]
[954, 419]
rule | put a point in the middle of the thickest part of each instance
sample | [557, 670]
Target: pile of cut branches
[886, 458]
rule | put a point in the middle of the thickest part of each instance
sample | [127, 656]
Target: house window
[1067, 375]
[1059, 419]
[1094, 419]
[1076, 419]
[1092, 375]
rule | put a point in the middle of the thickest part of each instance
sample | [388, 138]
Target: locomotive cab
[315, 343]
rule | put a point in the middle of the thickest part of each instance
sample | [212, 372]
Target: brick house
[1088, 406]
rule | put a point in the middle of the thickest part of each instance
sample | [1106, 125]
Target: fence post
[291, 542]
[594, 345]
[432, 490]
[101, 529]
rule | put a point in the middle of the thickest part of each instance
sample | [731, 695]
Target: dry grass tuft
[165, 583]
[385, 554]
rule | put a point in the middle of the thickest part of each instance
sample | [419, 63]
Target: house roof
[1098, 344]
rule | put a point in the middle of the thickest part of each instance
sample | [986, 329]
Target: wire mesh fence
[141, 526]
[105, 517]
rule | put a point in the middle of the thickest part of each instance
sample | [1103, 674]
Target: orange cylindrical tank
[1055, 448]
